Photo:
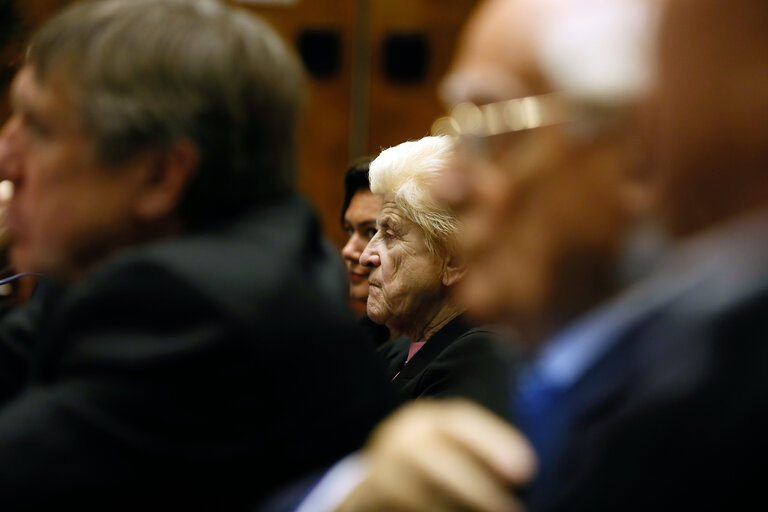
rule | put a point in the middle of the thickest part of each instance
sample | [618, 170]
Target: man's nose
[10, 162]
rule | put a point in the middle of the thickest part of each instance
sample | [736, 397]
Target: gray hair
[145, 73]
[406, 172]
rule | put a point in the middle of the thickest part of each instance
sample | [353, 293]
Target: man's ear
[168, 174]
[454, 269]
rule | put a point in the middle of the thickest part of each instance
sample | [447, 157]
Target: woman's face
[405, 277]
[360, 225]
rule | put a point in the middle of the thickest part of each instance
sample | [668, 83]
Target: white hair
[598, 50]
[405, 172]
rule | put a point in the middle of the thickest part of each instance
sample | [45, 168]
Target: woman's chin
[375, 315]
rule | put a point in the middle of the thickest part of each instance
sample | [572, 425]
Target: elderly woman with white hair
[415, 265]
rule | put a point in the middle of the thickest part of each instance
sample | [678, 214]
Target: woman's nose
[10, 164]
[370, 257]
[353, 248]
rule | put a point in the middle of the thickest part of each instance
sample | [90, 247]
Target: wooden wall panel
[401, 112]
[384, 113]
[324, 135]
[356, 111]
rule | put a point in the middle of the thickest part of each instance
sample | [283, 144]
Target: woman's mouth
[355, 277]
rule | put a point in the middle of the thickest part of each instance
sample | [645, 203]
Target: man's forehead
[24, 85]
[480, 85]
[28, 92]
[496, 56]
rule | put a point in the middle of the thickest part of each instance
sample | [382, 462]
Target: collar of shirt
[707, 269]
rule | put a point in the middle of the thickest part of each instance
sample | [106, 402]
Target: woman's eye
[370, 233]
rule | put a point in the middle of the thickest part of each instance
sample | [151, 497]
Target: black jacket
[193, 374]
[459, 360]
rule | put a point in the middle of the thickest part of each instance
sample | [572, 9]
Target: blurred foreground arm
[448, 455]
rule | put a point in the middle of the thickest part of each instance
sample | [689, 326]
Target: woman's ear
[168, 174]
[454, 269]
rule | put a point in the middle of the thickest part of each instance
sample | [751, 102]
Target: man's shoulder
[273, 257]
[688, 357]
[694, 332]
[264, 245]
[688, 391]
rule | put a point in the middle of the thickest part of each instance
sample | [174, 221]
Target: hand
[443, 456]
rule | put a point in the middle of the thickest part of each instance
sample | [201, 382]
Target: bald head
[496, 58]
[595, 50]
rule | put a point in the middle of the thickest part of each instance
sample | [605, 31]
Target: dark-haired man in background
[151, 146]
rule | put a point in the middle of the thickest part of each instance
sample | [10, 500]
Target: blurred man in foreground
[151, 147]
[542, 181]
[668, 411]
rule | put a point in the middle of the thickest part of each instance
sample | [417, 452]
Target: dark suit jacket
[457, 361]
[675, 415]
[193, 374]
[378, 334]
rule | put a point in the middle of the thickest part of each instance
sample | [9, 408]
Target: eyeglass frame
[517, 114]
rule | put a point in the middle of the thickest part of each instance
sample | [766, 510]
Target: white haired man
[151, 146]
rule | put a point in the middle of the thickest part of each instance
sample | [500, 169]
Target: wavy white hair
[405, 172]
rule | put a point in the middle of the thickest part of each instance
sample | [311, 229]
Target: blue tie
[540, 415]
